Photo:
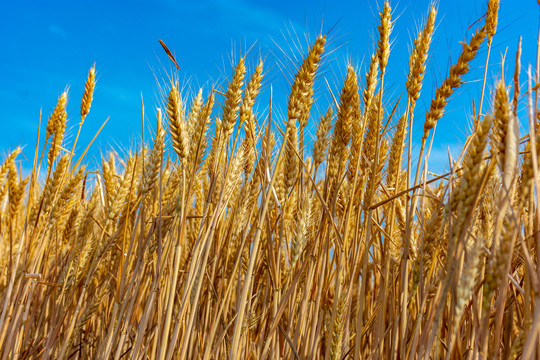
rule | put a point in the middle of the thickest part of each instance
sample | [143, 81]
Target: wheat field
[232, 234]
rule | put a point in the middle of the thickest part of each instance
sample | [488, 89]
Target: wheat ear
[301, 97]
[454, 80]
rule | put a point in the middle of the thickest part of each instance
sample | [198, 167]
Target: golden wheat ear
[385, 28]
[88, 94]
[177, 124]
[233, 99]
[301, 97]
[454, 79]
[56, 128]
[417, 61]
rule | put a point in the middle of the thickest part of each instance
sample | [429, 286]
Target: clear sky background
[48, 45]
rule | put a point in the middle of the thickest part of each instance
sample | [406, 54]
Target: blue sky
[47, 46]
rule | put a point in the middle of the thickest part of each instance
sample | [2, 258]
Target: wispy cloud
[57, 31]
[250, 20]
[250, 15]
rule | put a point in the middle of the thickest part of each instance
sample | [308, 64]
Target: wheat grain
[88, 94]
[516, 78]
[501, 119]
[291, 163]
[465, 195]
[417, 61]
[56, 127]
[198, 141]
[233, 99]
[321, 143]
[385, 28]
[491, 19]
[194, 111]
[301, 97]
[454, 79]
[178, 125]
